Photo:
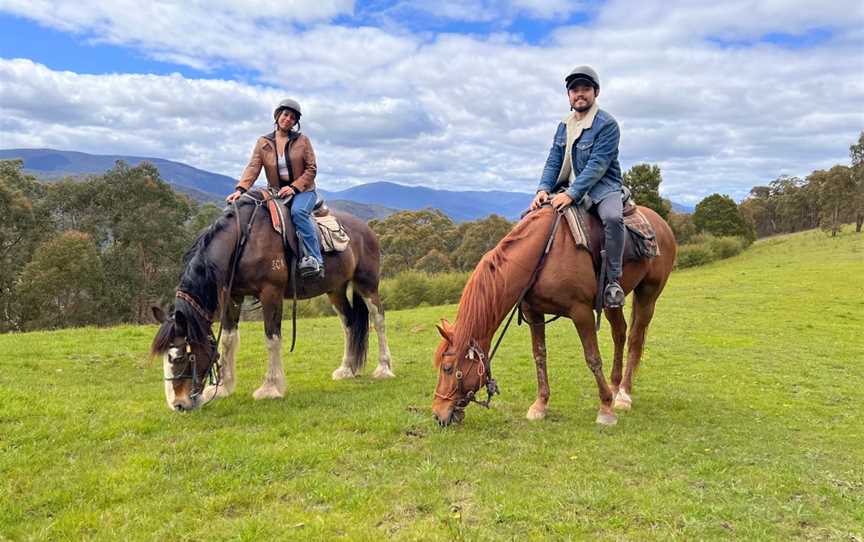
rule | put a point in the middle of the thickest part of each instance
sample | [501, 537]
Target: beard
[582, 106]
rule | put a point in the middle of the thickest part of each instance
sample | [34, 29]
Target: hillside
[371, 200]
[745, 426]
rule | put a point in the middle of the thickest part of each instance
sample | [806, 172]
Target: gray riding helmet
[584, 74]
[287, 103]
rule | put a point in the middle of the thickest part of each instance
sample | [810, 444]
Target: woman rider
[289, 164]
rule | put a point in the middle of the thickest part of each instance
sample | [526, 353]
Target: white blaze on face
[167, 373]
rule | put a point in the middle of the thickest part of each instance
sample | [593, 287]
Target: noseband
[191, 372]
[484, 370]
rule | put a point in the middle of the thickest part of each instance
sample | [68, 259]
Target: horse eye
[448, 368]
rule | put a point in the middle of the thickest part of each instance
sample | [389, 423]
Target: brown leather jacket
[300, 153]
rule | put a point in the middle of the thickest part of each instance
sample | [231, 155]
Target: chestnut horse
[565, 285]
[186, 339]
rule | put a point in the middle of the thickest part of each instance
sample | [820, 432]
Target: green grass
[746, 425]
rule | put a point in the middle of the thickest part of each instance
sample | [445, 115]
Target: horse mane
[484, 302]
[201, 278]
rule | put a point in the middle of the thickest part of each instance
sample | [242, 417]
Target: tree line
[98, 250]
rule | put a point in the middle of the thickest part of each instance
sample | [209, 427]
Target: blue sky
[446, 94]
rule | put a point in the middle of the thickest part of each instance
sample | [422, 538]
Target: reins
[213, 374]
[475, 353]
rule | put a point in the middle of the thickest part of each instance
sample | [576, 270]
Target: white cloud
[459, 111]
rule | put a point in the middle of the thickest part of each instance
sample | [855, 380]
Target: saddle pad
[334, 238]
[273, 209]
[578, 226]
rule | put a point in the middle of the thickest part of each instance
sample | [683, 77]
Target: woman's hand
[287, 192]
[233, 196]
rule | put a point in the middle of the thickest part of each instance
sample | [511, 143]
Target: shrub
[693, 255]
[726, 247]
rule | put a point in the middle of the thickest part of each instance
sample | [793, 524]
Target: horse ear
[445, 330]
[158, 314]
[179, 324]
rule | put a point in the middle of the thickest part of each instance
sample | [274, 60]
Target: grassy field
[747, 425]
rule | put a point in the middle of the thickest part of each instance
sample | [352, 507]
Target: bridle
[480, 363]
[188, 357]
[191, 369]
[476, 355]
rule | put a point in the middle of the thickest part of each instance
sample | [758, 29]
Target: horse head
[187, 360]
[462, 370]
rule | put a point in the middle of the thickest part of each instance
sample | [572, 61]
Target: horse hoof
[383, 372]
[606, 418]
[535, 413]
[623, 401]
[267, 392]
[215, 392]
[342, 373]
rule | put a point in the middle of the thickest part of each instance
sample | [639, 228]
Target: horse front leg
[583, 318]
[619, 338]
[273, 386]
[537, 411]
[376, 313]
[229, 343]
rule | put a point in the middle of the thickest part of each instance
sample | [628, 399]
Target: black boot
[613, 296]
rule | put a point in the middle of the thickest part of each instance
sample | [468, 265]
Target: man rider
[583, 168]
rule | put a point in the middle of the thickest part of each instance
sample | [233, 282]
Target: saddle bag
[334, 238]
[643, 239]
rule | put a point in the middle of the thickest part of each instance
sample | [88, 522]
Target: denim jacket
[595, 161]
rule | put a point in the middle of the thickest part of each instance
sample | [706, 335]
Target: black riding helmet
[583, 74]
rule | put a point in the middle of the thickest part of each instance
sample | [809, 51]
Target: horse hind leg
[339, 300]
[644, 300]
[230, 341]
[273, 386]
[537, 411]
[619, 337]
[376, 314]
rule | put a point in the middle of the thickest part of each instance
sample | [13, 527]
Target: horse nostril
[179, 407]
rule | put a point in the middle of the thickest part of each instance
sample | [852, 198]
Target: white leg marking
[230, 343]
[343, 371]
[274, 382]
[169, 385]
[623, 401]
[384, 360]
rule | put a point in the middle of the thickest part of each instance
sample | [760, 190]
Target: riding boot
[613, 295]
[309, 267]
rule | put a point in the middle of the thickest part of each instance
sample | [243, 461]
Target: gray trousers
[611, 212]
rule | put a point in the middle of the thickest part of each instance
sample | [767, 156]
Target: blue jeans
[301, 215]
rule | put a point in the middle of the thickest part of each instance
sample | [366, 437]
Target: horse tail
[357, 320]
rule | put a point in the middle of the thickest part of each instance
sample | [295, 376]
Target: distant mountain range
[367, 201]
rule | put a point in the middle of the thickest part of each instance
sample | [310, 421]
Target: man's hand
[286, 192]
[233, 196]
[561, 201]
[539, 199]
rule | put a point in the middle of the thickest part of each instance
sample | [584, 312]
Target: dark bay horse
[185, 339]
[566, 286]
